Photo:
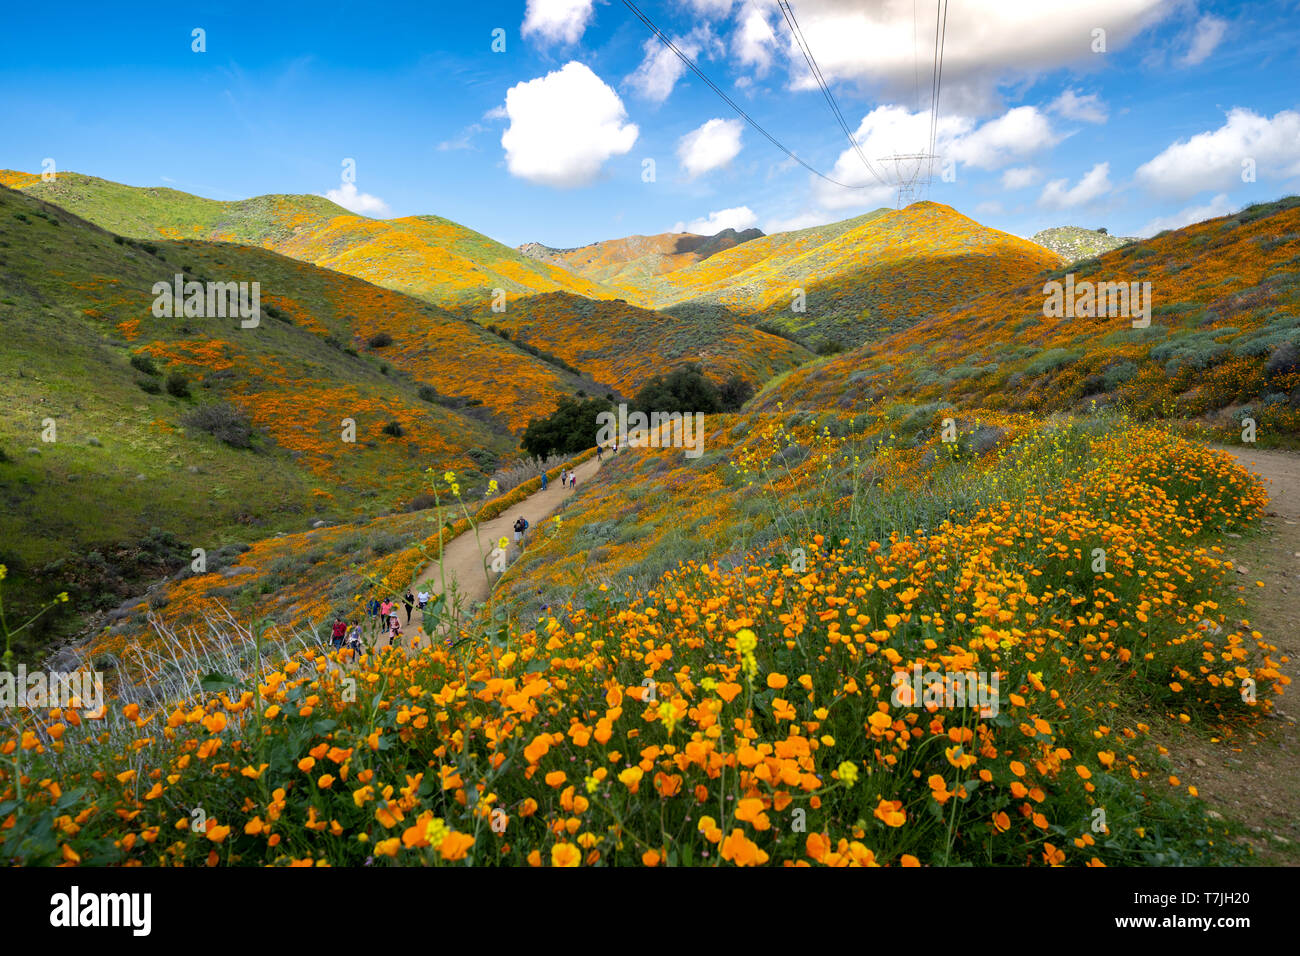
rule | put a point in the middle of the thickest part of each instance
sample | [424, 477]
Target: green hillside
[854, 281]
[427, 256]
[82, 349]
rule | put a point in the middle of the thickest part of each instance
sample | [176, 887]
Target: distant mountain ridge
[630, 258]
[456, 269]
[432, 258]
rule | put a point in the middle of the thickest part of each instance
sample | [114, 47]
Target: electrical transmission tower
[908, 173]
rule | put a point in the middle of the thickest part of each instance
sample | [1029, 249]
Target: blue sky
[1039, 127]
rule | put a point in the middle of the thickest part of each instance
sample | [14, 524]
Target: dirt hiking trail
[1254, 778]
[463, 563]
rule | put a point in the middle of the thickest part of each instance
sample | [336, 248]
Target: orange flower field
[747, 716]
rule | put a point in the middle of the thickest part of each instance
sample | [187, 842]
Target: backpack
[525, 521]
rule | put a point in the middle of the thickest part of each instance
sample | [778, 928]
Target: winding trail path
[463, 562]
[1256, 779]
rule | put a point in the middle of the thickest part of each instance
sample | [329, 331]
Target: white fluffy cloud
[711, 146]
[1209, 31]
[738, 217]
[1087, 109]
[661, 68]
[1059, 194]
[711, 8]
[564, 126]
[753, 41]
[348, 197]
[803, 220]
[894, 130]
[1019, 177]
[985, 42]
[1014, 134]
[557, 21]
[1213, 159]
[1218, 206]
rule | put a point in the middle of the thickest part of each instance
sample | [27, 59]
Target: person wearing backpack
[339, 631]
[520, 527]
[409, 601]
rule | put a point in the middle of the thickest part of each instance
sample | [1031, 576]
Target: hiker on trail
[394, 629]
[422, 599]
[336, 635]
[543, 481]
[354, 640]
[372, 607]
[521, 525]
[386, 609]
[599, 451]
[409, 601]
[573, 479]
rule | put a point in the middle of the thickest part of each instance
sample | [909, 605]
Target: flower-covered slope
[100, 393]
[611, 261]
[433, 258]
[859, 278]
[737, 713]
[622, 345]
[1223, 338]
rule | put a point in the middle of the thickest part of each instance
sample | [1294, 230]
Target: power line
[663, 38]
[916, 73]
[936, 82]
[806, 50]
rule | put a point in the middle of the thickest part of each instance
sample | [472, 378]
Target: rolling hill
[614, 261]
[456, 269]
[1073, 244]
[83, 349]
[623, 345]
[429, 257]
[861, 278]
[1223, 340]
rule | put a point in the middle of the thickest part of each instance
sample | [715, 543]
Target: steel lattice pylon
[906, 172]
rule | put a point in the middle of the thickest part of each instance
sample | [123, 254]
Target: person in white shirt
[422, 599]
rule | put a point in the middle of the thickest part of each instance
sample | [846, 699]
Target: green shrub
[178, 385]
[1051, 360]
[142, 362]
[223, 421]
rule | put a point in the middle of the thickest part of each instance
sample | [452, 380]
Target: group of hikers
[385, 614]
[568, 479]
[385, 617]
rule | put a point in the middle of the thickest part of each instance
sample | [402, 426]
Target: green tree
[684, 389]
[571, 428]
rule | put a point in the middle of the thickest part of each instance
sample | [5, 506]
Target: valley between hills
[921, 469]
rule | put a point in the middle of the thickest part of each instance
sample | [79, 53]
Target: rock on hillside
[1077, 244]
